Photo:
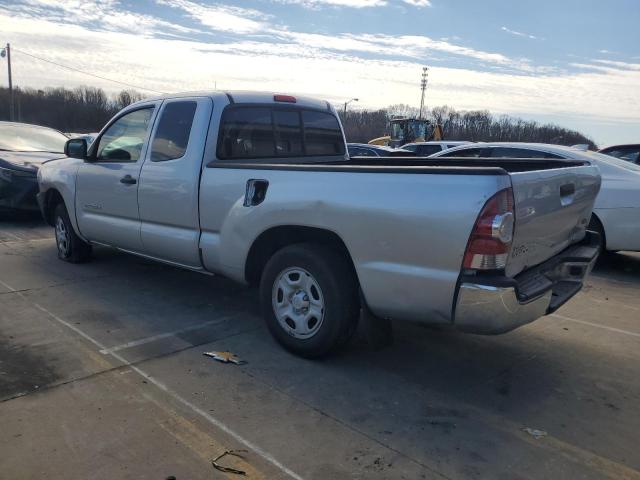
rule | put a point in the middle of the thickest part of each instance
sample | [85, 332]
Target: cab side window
[172, 135]
[123, 140]
[630, 154]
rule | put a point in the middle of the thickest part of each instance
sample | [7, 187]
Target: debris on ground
[225, 357]
[537, 434]
[222, 468]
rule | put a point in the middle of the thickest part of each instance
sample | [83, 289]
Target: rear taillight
[490, 240]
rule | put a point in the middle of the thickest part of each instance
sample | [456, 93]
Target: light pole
[347, 103]
[6, 52]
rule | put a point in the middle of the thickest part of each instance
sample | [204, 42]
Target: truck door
[107, 183]
[170, 180]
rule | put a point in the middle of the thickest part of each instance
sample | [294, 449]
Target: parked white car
[424, 149]
[616, 215]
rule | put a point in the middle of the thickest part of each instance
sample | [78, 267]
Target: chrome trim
[492, 310]
[498, 225]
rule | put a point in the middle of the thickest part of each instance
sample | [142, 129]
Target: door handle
[128, 180]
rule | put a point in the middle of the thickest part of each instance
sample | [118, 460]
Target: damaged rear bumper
[492, 304]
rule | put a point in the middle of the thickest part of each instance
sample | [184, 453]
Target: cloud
[102, 14]
[220, 17]
[378, 69]
[315, 4]
[608, 66]
[418, 3]
[412, 46]
[520, 34]
[337, 3]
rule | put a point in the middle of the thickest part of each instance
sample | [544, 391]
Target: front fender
[60, 176]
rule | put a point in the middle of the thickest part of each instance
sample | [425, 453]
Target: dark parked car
[23, 148]
[630, 153]
[366, 150]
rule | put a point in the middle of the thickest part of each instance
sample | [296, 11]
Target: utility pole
[423, 87]
[6, 52]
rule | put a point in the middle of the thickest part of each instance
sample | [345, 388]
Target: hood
[29, 160]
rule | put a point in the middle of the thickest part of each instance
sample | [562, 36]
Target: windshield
[30, 138]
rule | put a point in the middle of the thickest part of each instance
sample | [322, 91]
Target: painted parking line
[194, 408]
[597, 325]
[160, 336]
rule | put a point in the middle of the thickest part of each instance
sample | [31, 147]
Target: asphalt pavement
[102, 375]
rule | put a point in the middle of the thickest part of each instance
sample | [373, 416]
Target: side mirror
[76, 148]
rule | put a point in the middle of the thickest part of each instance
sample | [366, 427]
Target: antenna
[423, 87]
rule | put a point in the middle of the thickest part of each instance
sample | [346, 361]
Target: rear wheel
[309, 299]
[71, 248]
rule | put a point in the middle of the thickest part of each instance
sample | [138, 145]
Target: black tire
[338, 288]
[72, 249]
[595, 225]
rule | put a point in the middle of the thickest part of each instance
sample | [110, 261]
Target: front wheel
[309, 298]
[71, 248]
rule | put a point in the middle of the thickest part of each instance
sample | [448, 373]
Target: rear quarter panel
[406, 233]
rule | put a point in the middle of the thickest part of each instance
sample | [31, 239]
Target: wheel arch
[276, 238]
[596, 222]
[51, 200]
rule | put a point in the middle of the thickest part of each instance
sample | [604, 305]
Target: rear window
[172, 136]
[466, 153]
[630, 154]
[288, 131]
[267, 132]
[322, 135]
[506, 152]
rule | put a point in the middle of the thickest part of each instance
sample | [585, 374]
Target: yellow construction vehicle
[408, 130]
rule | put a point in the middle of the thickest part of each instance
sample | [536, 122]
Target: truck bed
[417, 165]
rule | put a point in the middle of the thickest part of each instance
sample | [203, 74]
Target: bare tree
[83, 109]
[87, 109]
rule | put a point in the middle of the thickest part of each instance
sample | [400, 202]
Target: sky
[575, 63]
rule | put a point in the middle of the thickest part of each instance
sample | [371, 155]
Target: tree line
[87, 109]
[80, 110]
[477, 126]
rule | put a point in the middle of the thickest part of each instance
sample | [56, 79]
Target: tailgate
[552, 210]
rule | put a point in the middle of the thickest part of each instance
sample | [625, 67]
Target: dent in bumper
[492, 310]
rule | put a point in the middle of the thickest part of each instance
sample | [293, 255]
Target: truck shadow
[623, 266]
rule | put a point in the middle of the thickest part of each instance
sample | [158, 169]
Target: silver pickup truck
[258, 188]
